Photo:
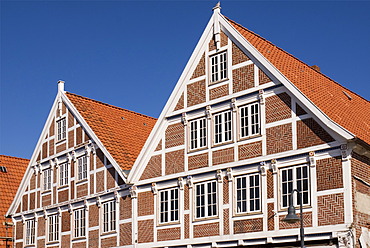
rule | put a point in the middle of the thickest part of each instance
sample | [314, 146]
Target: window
[63, 174]
[206, 199]
[82, 167]
[109, 216]
[30, 232]
[61, 129]
[222, 127]
[249, 120]
[248, 193]
[294, 178]
[169, 205]
[47, 179]
[218, 67]
[198, 133]
[53, 228]
[79, 223]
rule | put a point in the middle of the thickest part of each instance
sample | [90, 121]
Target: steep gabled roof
[341, 105]
[122, 132]
[9, 183]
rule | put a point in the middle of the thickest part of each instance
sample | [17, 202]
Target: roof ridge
[295, 58]
[112, 106]
[2, 155]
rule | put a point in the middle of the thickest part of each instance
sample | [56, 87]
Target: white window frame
[79, 223]
[169, 206]
[243, 195]
[294, 182]
[82, 167]
[29, 234]
[63, 174]
[209, 198]
[47, 175]
[61, 129]
[109, 217]
[53, 228]
[218, 65]
[222, 127]
[198, 133]
[249, 120]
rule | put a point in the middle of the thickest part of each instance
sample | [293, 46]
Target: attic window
[61, 129]
[218, 67]
[3, 169]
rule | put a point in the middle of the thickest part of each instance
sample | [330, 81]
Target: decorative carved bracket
[184, 119]
[261, 96]
[274, 166]
[312, 158]
[180, 183]
[208, 112]
[133, 191]
[263, 168]
[219, 176]
[189, 181]
[154, 188]
[233, 104]
[229, 174]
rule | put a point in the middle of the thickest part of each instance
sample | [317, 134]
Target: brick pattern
[180, 103]
[299, 110]
[206, 230]
[111, 178]
[46, 200]
[278, 107]
[25, 202]
[94, 238]
[270, 216]
[19, 230]
[99, 158]
[61, 148]
[145, 203]
[243, 78]
[79, 135]
[51, 147]
[125, 208]
[71, 139]
[66, 221]
[33, 182]
[71, 120]
[223, 156]
[40, 243]
[218, 92]
[246, 226]
[225, 188]
[40, 226]
[226, 222]
[270, 184]
[153, 168]
[66, 241]
[310, 133]
[126, 234]
[238, 55]
[331, 209]
[169, 234]
[99, 181]
[212, 44]
[174, 162]
[82, 190]
[263, 78]
[44, 150]
[32, 200]
[186, 197]
[329, 173]
[109, 242]
[200, 70]
[250, 150]
[186, 226]
[93, 215]
[175, 135]
[279, 138]
[52, 127]
[145, 231]
[198, 161]
[196, 93]
[159, 146]
[80, 245]
[307, 221]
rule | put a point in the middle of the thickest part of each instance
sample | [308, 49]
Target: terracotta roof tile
[341, 105]
[122, 132]
[9, 184]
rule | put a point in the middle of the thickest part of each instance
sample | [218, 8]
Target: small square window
[61, 129]
[218, 67]
[169, 205]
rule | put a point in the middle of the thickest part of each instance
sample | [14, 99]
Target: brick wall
[145, 231]
[307, 221]
[243, 78]
[225, 188]
[200, 70]
[270, 216]
[145, 203]
[329, 173]
[198, 161]
[331, 209]
[93, 215]
[218, 92]
[19, 230]
[310, 133]
[93, 238]
[206, 230]
[125, 208]
[279, 138]
[175, 135]
[246, 226]
[278, 107]
[238, 55]
[270, 184]
[169, 234]
[299, 110]
[196, 93]
[109, 242]
[262, 77]
[212, 44]
[250, 150]
[153, 168]
[66, 221]
[223, 156]
[126, 234]
[180, 103]
[111, 178]
[174, 162]
[226, 222]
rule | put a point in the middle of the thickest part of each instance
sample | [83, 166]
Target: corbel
[93, 149]
[98, 202]
[74, 156]
[233, 104]
[59, 211]
[219, 176]
[69, 209]
[229, 174]
[180, 183]
[56, 163]
[35, 169]
[45, 213]
[23, 219]
[312, 158]
[263, 168]
[274, 166]
[344, 152]
[208, 112]
[189, 181]
[88, 150]
[52, 164]
[86, 207]
[184, 119]
[116, 195]
[154, 188]
[261, 96]
[133, 191]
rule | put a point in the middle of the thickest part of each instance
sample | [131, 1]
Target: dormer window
[61, 129]
[218, 67]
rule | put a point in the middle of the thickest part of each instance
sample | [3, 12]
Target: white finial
[217, 7]
[61, 85]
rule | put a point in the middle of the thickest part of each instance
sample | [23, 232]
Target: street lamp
[292, 217]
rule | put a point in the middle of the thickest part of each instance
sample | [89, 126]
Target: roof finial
[217, 7]
[61, 85]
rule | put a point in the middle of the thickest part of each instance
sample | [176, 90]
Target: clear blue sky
[131, 53]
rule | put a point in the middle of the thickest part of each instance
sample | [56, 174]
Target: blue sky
[131, 53]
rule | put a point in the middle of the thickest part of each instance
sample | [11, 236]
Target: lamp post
[292, 217]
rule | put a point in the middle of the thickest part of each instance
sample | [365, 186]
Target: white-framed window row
[47, 179]
[294, 177]
[205, 200]
[169, 206]
[53, 228]
[249, 120]
[61, 129]
[29, 232]
[109, 217]
[79, 223]
[218, 67]
[247, 196]
[82, 167]
[198, 133]
[64, 174]
[222, 127]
